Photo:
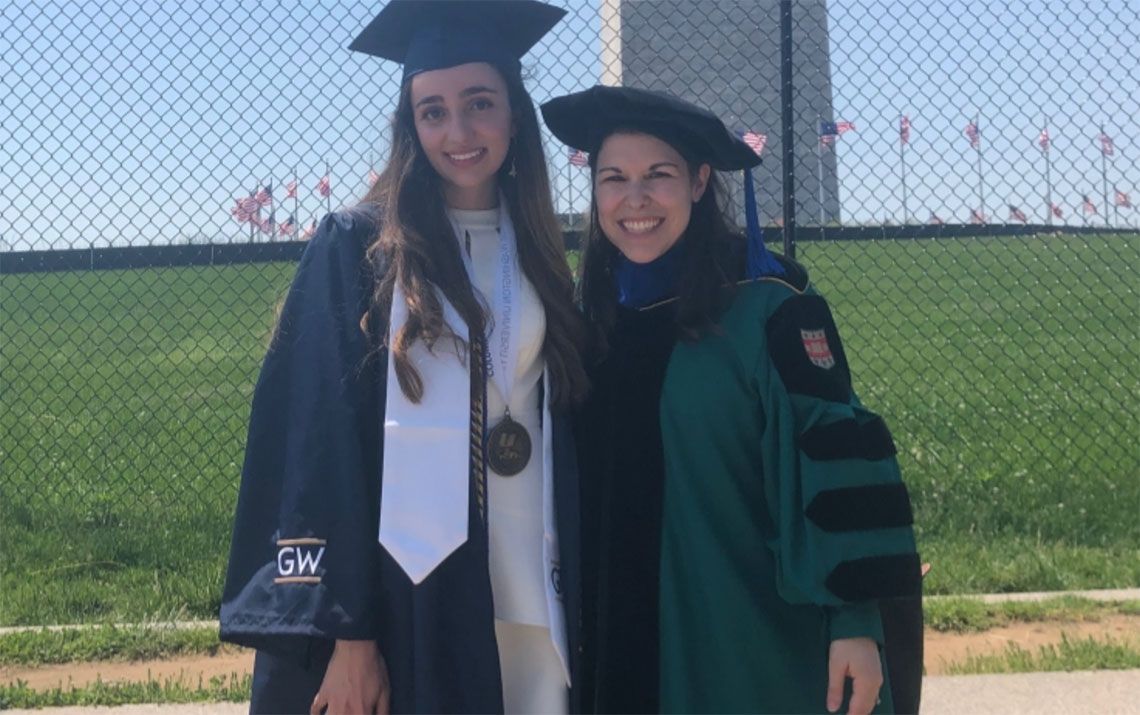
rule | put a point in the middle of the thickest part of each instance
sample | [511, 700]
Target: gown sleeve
[842, 516]
[303, 556]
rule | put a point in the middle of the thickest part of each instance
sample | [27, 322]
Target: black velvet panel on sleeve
[848, 439]
[805, 348]
[876, 577]
[875, 506]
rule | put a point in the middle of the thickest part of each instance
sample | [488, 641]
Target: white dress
[533, 679]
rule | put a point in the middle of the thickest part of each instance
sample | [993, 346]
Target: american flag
[309, 231]
[268, 224]
[1043, 139]
[976, 216]
[973, 135]
[291, 189]
[904, 129]
[264, 195]
[1017, 214]
[324, 186]
[755, 141]
[247, 209]
[829, 130]
[935, 219]
[1122, 199]
[578, 157]
[1057, 211]
[286, 226]
[1087, 204]
[1107, 147]
[373, 177]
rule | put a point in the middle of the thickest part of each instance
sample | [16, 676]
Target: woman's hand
[356, 681]
[858, 659]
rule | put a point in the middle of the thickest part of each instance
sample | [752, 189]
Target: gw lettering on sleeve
[298, 560]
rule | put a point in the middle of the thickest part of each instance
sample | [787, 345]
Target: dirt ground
[942, 649]
[188, 670]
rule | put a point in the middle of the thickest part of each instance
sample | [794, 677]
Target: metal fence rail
[998, 139]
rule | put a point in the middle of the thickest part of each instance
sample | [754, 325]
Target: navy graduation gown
[305, 565]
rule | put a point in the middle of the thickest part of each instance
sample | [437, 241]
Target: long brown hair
[714, 261]
[415, 246]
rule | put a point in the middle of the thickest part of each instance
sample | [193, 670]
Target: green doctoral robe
[784, 516]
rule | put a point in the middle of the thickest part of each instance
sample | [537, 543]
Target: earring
[512, 173]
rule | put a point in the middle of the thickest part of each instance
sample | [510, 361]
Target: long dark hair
[714, 261]
[415, 246]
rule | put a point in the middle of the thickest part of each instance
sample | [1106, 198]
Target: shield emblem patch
[817, 349]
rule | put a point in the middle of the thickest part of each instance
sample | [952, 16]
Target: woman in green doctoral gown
[746, 510]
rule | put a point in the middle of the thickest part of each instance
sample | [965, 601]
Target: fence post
[789, 130]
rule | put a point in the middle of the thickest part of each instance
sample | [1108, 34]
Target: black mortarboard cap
[428, 35]
[584, 119]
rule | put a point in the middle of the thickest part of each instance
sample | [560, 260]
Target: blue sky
[1010, 63]
[141, 123]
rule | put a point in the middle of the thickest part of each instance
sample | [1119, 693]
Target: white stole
[426, 469]
[427, 453]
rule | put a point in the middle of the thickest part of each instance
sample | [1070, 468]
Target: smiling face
[464, 124]
[644, 194]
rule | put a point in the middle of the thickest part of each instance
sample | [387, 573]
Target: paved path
[1112, 594]
[1106, 692]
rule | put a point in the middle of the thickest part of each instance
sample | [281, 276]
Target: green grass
[105, 643]
[1007, 368]
[233, 689]
[123, 411]
[1009, 372]
[1068, 655]
[997, 559]
[970, 615]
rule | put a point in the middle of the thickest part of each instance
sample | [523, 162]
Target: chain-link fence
[987, 148]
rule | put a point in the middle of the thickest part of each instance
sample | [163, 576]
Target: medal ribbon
[502, 349]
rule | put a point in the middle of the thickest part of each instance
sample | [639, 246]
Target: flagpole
[272, 214]
[1104, 174]
[981, 176]
[258, 214]
[328, 198]
[819, 169]
[902, 160]
[1048, 175]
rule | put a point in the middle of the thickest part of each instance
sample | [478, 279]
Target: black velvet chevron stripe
[847, 439]
[876, 577]
[875, 506]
